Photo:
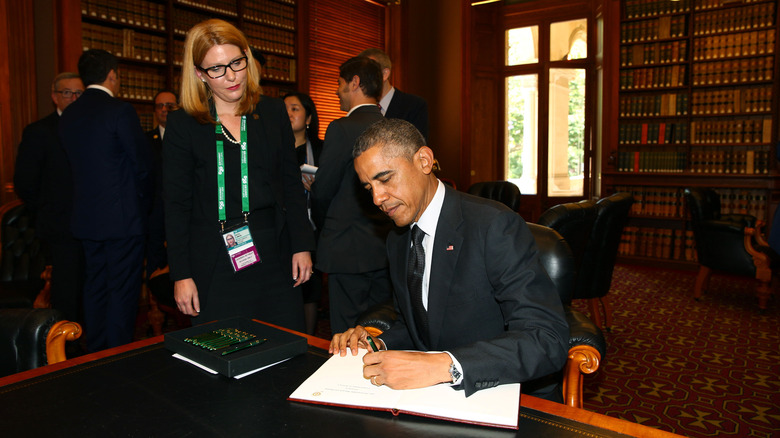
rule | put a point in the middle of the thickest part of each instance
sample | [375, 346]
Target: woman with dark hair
[308, 146]
[229, 168]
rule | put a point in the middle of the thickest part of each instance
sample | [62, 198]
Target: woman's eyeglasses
[218, 71]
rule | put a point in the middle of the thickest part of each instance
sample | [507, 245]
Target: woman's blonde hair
[195, 94]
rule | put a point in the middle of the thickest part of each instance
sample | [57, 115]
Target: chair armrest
[745, 220]
[583, 359]
[583, 331]
[59, 333]
[378, 317]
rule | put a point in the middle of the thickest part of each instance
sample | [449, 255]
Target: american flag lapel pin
[450, 248]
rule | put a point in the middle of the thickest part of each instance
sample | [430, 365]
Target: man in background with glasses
[42, 179]
[156, 256]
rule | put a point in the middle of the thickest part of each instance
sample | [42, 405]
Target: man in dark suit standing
[156, 256]
[111, 162]
[394, 103]
[351, 246]
[42, 179]
[469, 286]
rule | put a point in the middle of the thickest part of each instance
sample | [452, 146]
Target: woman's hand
[302, 267]
[186, 295]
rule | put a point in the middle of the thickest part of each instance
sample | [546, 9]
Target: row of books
[660, 243]
[124, 43]
[653, 77]
[139, 83]
[759, 42]
[668, 104]
[141, 13]
[650, 8]
[731, 131]
[732, 101]
[652, 133]
[674, 26]
[270, 40]
[737, 71]
[225, 7]
[652, 161]
[274, 91]
[715, 4]
[731, 161]
[727, 160]
[655, 201]
[145, 115]
[278, 68]
[654, 53]
[669, 201]
[183, 20]
[734, 19]
[270, 13]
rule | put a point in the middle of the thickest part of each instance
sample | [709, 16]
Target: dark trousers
[111, 290]
[67, 278]
[351, 294]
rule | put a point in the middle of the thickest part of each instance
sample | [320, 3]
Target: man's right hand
[186, 295]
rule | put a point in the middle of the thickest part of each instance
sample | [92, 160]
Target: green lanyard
[221, 173]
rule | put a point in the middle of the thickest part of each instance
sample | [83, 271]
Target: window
[550, 81]
[339, 30]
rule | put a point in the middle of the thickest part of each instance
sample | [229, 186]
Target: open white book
[308, 169]
[340, 382]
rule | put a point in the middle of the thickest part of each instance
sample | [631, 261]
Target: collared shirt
[358, 106]
[385, 102]
[100, 87]
[161, 129]
[427, 223]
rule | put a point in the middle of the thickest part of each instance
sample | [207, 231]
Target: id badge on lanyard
[238, 239]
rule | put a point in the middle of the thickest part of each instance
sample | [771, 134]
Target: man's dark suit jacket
[352, 230]
[491, 303]
[190, 188]
[43, 179]
[411, 108]
[112, 167]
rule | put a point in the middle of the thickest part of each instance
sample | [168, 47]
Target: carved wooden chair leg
[155, 315]
[763, 269]
[607, 313]
[701, 281]
[43, 300]
[595, 312]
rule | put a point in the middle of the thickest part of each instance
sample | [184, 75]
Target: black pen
[241, 347]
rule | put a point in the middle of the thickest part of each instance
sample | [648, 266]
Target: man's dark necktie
[415, 271]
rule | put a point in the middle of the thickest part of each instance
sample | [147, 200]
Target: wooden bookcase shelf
[148, 38]
[698, 106]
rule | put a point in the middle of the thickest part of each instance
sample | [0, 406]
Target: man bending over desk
[471, 295]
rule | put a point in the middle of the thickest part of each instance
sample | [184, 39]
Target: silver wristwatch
[454, 372]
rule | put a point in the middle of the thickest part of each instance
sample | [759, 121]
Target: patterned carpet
[700, 369]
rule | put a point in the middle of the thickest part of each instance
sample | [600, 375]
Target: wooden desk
[140, 390]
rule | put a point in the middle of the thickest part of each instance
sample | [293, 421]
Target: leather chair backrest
[23, 335]
[556, 258]
[704, 204]
[574, 221]
[23, 257]
[598, 262]
[504, 192]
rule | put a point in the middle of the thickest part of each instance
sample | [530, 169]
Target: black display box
[281, 345]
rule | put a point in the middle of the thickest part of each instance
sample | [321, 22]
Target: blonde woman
[229, 168]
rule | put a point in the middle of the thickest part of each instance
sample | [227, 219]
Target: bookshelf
[148, 38]
[697, 106]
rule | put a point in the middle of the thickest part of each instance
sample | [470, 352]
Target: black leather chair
[598, 261]
[504, 192]
[574, 221]
[23, 257]
[727, 243]
[587, 345]
[30, 338]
